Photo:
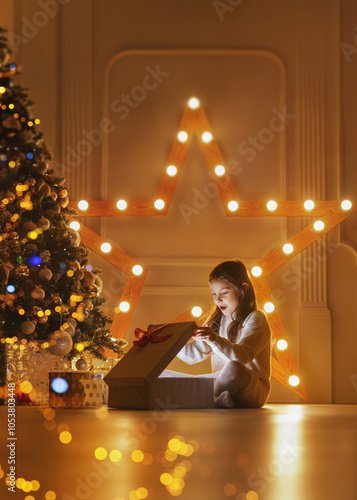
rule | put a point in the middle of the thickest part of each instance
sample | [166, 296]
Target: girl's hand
[205, 334]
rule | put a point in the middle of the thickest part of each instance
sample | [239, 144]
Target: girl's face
[225, 296]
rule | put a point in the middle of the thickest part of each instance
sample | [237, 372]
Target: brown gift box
[135, 381]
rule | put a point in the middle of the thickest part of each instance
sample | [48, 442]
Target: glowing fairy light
[193, 103]
[206, 137]
[196, 311]
[309, 205]
[294, 380]
[137, 270]
[182, 136]
[282, 345]
[233, 206]
[346, 205]
[171, 170]
[269, 307]
[121, 204]
[124, 306]
[272, 205]
[83, 205]
[319, 225]
[219, 170]
[256, 271]
[106, 247]
[75, 225]
[288, 248]
[159, 204]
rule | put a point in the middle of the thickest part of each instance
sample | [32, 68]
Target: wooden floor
[280, 452]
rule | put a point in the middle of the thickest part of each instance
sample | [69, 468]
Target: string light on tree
[75, 225]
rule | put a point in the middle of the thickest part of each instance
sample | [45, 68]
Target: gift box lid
[142, 364]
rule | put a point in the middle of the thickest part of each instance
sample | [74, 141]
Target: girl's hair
[235, 272]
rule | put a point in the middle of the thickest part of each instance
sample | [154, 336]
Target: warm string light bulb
[122, 204]
[206, 137]
[269, 307]
[196, 311]
[272, 205]
[219, 170]
[159, 204]
[171, 170]
[233, 206]
[288, 248]
[309, 205]
[319, 225]
[105, 247]
[182, 136]
[294, 380]
[137, 270]
[83, 205]
[282, 345]
[346, 205]
[124, 306]
[193, 103]
[75, 225]
[256, 271]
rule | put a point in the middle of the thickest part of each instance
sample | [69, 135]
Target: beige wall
[244, 64]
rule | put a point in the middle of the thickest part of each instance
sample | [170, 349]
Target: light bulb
[83, 205]
[159, 204]
[288, 248]
[124, 306]
[171, 170]
[294, 380]
[122, 204]
[319, 225]
[256, 271]
[105, 247]
[219, 170]
[137, 270]
[282, 345]
[346, 205]
[269, 307]
[193, 103]
[75, 225]
[309, 205]
[182, 136]
[206, 137]
[233, 206]
[2, 90]
[272, 205]
[196, 311]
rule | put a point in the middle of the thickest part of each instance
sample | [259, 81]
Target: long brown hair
[235, 272]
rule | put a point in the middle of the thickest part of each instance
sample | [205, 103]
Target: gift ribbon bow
[149, 337]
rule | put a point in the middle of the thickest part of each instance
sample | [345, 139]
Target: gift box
[138, 380]
[80, 389]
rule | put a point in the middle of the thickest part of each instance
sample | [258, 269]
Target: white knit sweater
[252, 348]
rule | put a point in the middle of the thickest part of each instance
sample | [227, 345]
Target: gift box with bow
[138, 380]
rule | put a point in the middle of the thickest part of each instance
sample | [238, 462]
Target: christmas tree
[49, 295]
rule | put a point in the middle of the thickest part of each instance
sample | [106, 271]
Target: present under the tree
[80, 389]
[139, 381]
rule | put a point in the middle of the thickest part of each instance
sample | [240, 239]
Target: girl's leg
[233, 378]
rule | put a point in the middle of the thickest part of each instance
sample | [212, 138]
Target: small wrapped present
[138, 380]
[80, 389]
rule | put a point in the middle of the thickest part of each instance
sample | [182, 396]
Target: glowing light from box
[83, 205]
[105, 247]
[122, 204]
[159, 204]
[100, 453]
[233, 206]
[75, 225]
[319, 225]
[171, 170]
[256, 271]
[294, 380]
[346, 205]
[219, 170]
[269, 307]
[309, 205]
[182, 136]
[206, 137]
[272, 205]
[193, 103]
[137, 270]
[288, 248]
[196, 311]
[282, 345]
[124, 306]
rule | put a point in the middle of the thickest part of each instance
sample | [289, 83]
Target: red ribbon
[149, 337]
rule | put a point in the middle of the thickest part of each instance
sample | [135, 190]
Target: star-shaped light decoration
[329, 214]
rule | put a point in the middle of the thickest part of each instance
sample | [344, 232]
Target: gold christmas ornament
[27, 327]
[74, 236]
[38, 293]
[42, 167]
[22, 270]
[61, 342]
[88, 279]
[43, 223]
[45, 274]
[81, 364]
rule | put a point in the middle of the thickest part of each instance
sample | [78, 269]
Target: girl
[237, 336]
